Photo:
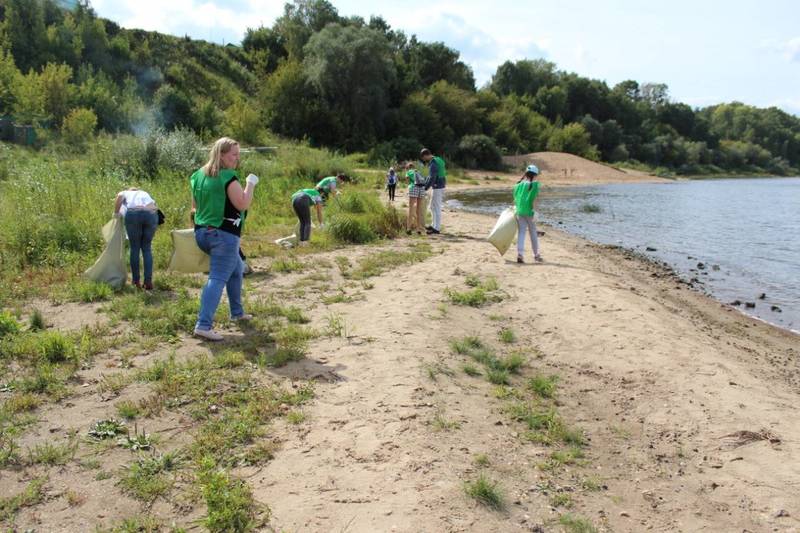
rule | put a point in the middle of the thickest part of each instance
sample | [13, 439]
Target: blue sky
[707, 51]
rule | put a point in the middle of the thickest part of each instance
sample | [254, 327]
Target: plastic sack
[504, 231]
[110, 266]
[291, 240]
[186, 255]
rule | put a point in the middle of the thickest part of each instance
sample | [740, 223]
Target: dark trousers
[302, 208]
[391, 188]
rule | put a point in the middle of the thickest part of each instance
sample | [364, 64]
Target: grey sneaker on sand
[208, 334]
[538, 259]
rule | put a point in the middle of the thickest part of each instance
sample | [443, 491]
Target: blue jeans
[141, 224]
[225, 272]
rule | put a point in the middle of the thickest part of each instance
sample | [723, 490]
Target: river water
[739, 237]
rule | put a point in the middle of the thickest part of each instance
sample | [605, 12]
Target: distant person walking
[140, 213]
[220, 207]
[525, 193]
[302, 201]
[391, 183]
[416, 200]
[437, 180]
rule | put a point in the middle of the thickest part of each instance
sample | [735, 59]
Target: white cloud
[481, 48]
[202, 19]
[789, 48]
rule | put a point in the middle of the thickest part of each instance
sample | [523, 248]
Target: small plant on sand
[441, 423]
[485, 492]
[36, 322]
[543, 386]
[31, 495]
[147, 477]
[561, 499]
[89, 291]
[337, 326]
[470, 369]
[52, 454]
[286, 265]
[498, 376]
[136, 442]
[507, 335]
[576, 524]
[295, 417]
[482, 460]
[230, 503]
[107, 429]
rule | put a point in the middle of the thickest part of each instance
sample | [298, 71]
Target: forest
[356, 85]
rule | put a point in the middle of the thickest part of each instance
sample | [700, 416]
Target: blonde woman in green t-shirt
[525, 193]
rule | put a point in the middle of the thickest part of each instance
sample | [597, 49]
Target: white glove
[252, 178]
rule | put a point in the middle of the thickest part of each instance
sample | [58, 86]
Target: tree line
[359, 85]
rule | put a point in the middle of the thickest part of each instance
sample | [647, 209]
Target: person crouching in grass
[301, 203]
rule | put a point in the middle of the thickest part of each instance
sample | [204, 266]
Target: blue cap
[532, 169]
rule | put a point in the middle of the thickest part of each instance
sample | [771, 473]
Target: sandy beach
[687, 407]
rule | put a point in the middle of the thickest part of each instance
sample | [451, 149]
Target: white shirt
[136, 200]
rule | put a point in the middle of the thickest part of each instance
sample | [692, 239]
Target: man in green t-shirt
[525, 193]
[437, 180]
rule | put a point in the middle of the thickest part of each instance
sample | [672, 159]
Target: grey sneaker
[208, 334]
[538, 259]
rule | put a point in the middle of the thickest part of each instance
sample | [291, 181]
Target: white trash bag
[504, 231]
[110, 266]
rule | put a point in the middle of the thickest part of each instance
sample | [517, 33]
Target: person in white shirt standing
[141, 221]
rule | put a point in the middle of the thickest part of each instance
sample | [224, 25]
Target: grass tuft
[485, 492]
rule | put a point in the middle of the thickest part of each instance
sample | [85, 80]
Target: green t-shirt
[312, 193]
[326, 184]
[410, 175]
[525, 193]
[214, 208]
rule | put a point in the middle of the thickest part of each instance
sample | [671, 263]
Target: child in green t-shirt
[525, 193]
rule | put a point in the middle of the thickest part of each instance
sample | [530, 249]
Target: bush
[78, 127]
[478, 151]
[573, 139]
[8, 325]
[244, 122]
[350, 228]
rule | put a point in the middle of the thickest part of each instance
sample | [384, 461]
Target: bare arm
[241, 198]
[319, 212]
[118, 203]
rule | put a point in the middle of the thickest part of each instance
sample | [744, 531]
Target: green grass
[576, 524]
[52, 454]
[482, 460]
[230, 503]
[498, 376]
[543, 386]
[287, 265]
[31, 495]
[380, 262]
[441, 423]
[561, 499]
[82, 290]
[149, 477]
[295, 417]
[107, 429]
[36, 321]
[485, 492]
[8, 324]
[470, 370]
[507, 335]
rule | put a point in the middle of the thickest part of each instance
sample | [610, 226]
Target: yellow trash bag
[502, 235]
[110, 266]
[186, 255]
